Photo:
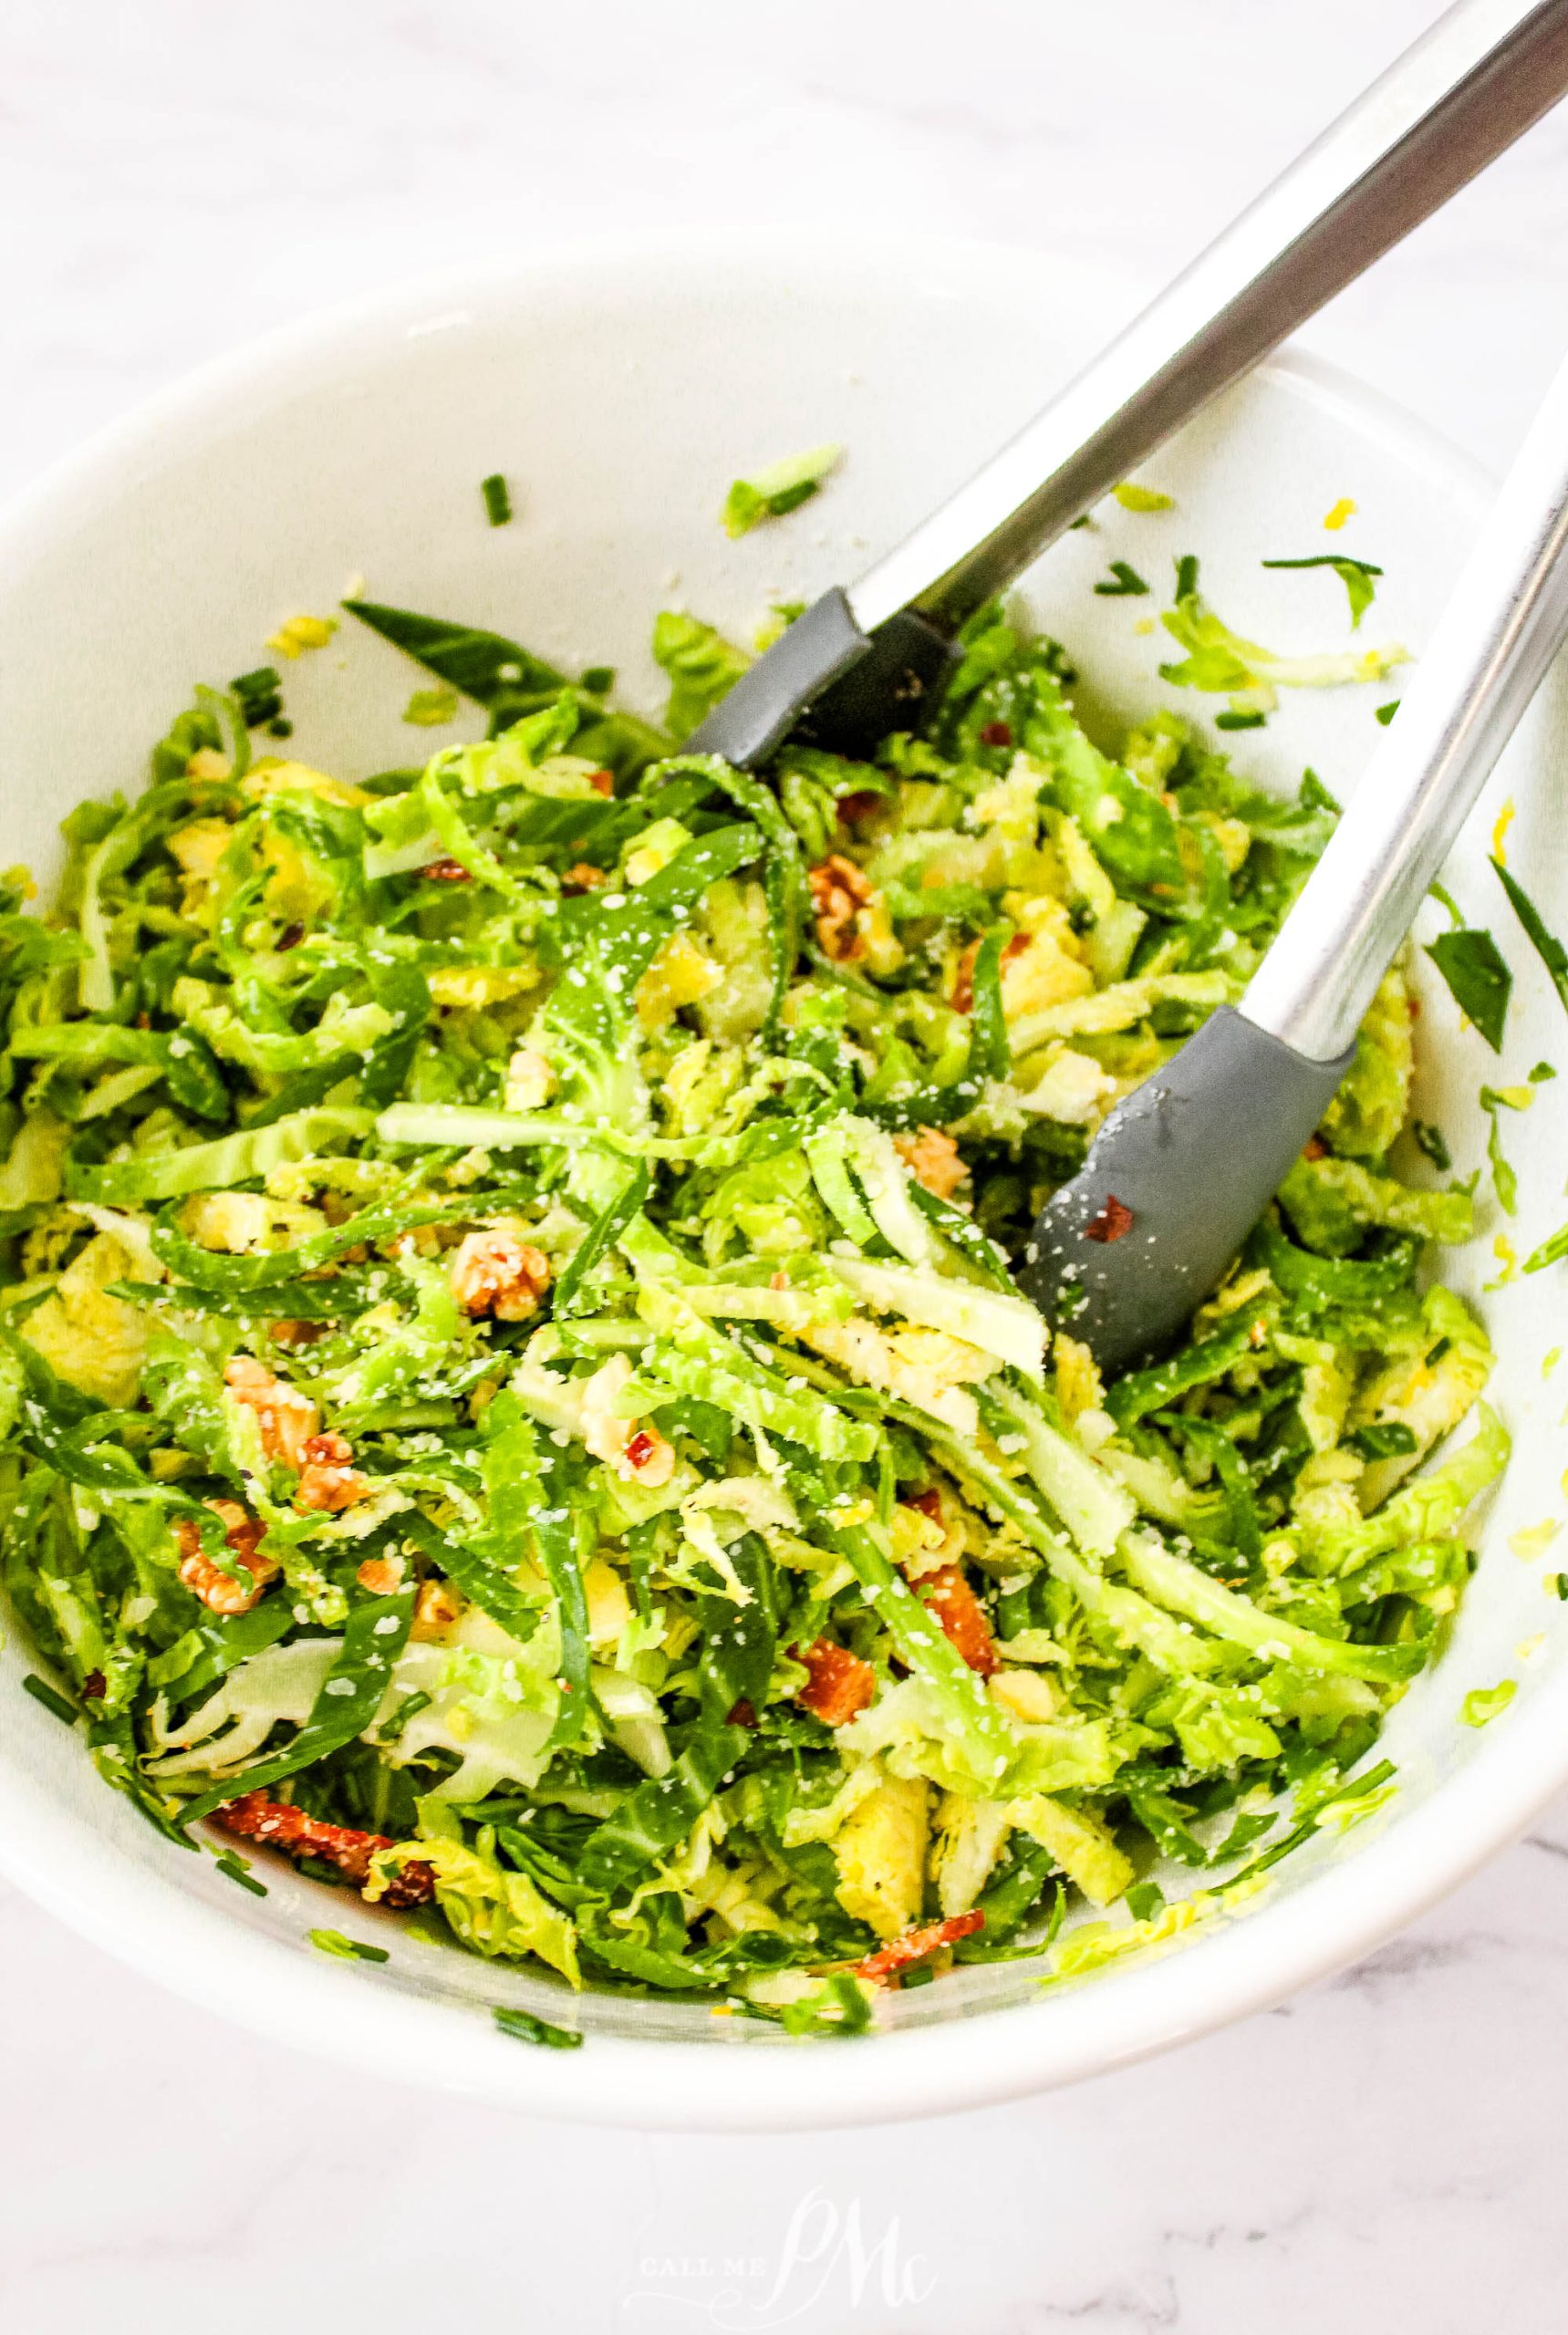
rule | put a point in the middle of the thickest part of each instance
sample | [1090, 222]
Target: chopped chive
[235, 1868]
[526, 2028]
[1126, 583]
[1563, 1587]
[41, 1692]
[921, 1976]
[1187, 575]
[1386, 713]
[1240, 721]
[1356, 575]
[1083, 519]
[497, 500]
[598, 680]
[1541, 1073]
[281, 728]
[1429, 1139]
[411, 1704]
[347, 1949]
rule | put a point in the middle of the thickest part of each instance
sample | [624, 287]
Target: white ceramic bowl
[620, 394]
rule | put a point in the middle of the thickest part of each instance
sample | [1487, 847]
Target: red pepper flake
[95, 1685]
[446, 871]
[917, 1945]
[742, 1715]
[293, 934]
[997, 734]
[1314, 1147]
[1113, 1220]
[602, 780]
[641, 1449]
[280, 1825]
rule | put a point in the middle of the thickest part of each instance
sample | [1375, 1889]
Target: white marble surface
[1385, 2152]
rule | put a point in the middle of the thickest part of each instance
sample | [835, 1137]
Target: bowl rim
[295, 1998]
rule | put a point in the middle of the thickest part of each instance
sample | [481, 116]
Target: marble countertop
[1384, 2151]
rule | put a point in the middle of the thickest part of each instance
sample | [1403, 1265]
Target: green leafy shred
[512, 1386]
[780, 488]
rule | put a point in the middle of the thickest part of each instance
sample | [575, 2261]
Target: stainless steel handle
[1485, 72]
[1488, 656]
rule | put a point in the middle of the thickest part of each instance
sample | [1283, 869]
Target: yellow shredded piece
[1142, 498]
[1533, 1539]
[1499, 832]
[1343, 510]
[294, 636]
[1550, 1360]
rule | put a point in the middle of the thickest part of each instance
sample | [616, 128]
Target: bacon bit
[328, 1480]
[255, 1817]
[1314, 1147]
[780, 1281]
[917, 1946]
[602, 780]
[861, 804]
[997, 734]
[95, 1685]
[929, 1503]
[933, 1159]
[742, 1715]
[289, 938]
[381, 1575]
[961, 1615]
[494, 1273]
[840, 890]
[220, 1591]
[584, 878]
[962, 996]
[144, 1021]
[840, 1685]
[287, 1421]
[1113, 1220]
[446, 871]
[297, 1334]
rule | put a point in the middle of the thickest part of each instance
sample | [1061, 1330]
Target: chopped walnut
[840, 892]
[933, 1159]
[494, 1273]
[329, 1480]
[287, 1420]
[220, 1591]
[436, 1607]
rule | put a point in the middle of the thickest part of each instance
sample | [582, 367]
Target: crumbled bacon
[933, 1159]
[961, 1615]
[1114, 1220]
[494, 1273]
[840, 1685]
[743, 1714]
[290, 937]
[95, 1685]
[224, 1592]
[584, 878]
[602, 780]
[297, 1334]
[446, 871]
[928, 1502]
[287, 1420]
[860, 804]
[274, 1822]
[381, 1575]
[917, 1945]
[996, 733]
[839, 891]
[1314, 1147]
[329, 1480]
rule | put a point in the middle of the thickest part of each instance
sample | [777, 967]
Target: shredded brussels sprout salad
[513, 1390]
